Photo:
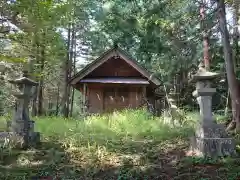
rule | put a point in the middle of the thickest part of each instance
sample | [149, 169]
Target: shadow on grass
[166, 161]
[128, 143]
[101, 152]
[47, 161]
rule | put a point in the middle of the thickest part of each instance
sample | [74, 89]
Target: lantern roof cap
[203, 74]
[24, 80]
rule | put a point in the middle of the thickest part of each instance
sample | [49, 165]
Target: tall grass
[130, 144]
[128, 125]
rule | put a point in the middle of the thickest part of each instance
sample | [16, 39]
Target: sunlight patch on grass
[123, 126]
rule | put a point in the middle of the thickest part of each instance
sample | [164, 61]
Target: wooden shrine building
[115, 81]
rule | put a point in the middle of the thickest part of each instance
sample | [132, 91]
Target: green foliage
[164, 36]
[125, 145]
[150, 31]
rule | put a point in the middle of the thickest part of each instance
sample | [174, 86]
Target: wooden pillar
[144, 92]
[84, 98]
[135, 99]
[143, 98]
[154, 101]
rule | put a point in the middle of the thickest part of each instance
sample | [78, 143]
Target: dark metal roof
[115, 80]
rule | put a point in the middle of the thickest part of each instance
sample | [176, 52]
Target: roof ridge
[126, 57]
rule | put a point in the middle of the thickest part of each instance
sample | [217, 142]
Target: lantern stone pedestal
[21, 128]
[210, 139]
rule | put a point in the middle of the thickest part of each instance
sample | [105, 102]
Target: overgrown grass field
[124, 145]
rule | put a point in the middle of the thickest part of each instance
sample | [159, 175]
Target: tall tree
[205, 32]
[67, 74]
[236, 14]
[231, 75]
[74, 45]
[41, 78]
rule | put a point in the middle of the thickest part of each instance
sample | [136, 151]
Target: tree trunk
[227, 104]
[205, 30]
[231, 75]
[35, 91]
[40, 87]
[235, 20]
[58, 94]
[1, 97]
[65, 100]
[34, 101]
[74, 46]
[235, 49]
[72, 66]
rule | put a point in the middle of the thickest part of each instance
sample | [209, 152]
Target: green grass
[124, 126]
[127, 145]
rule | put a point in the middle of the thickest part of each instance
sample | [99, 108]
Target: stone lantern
[21, 126]
[210, 138]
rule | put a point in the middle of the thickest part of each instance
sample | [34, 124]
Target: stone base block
[210, 130]
[213, 147]
[35, 138]
[15, 140]
[18, 126]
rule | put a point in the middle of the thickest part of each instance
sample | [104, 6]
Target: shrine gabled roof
[114, 52]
